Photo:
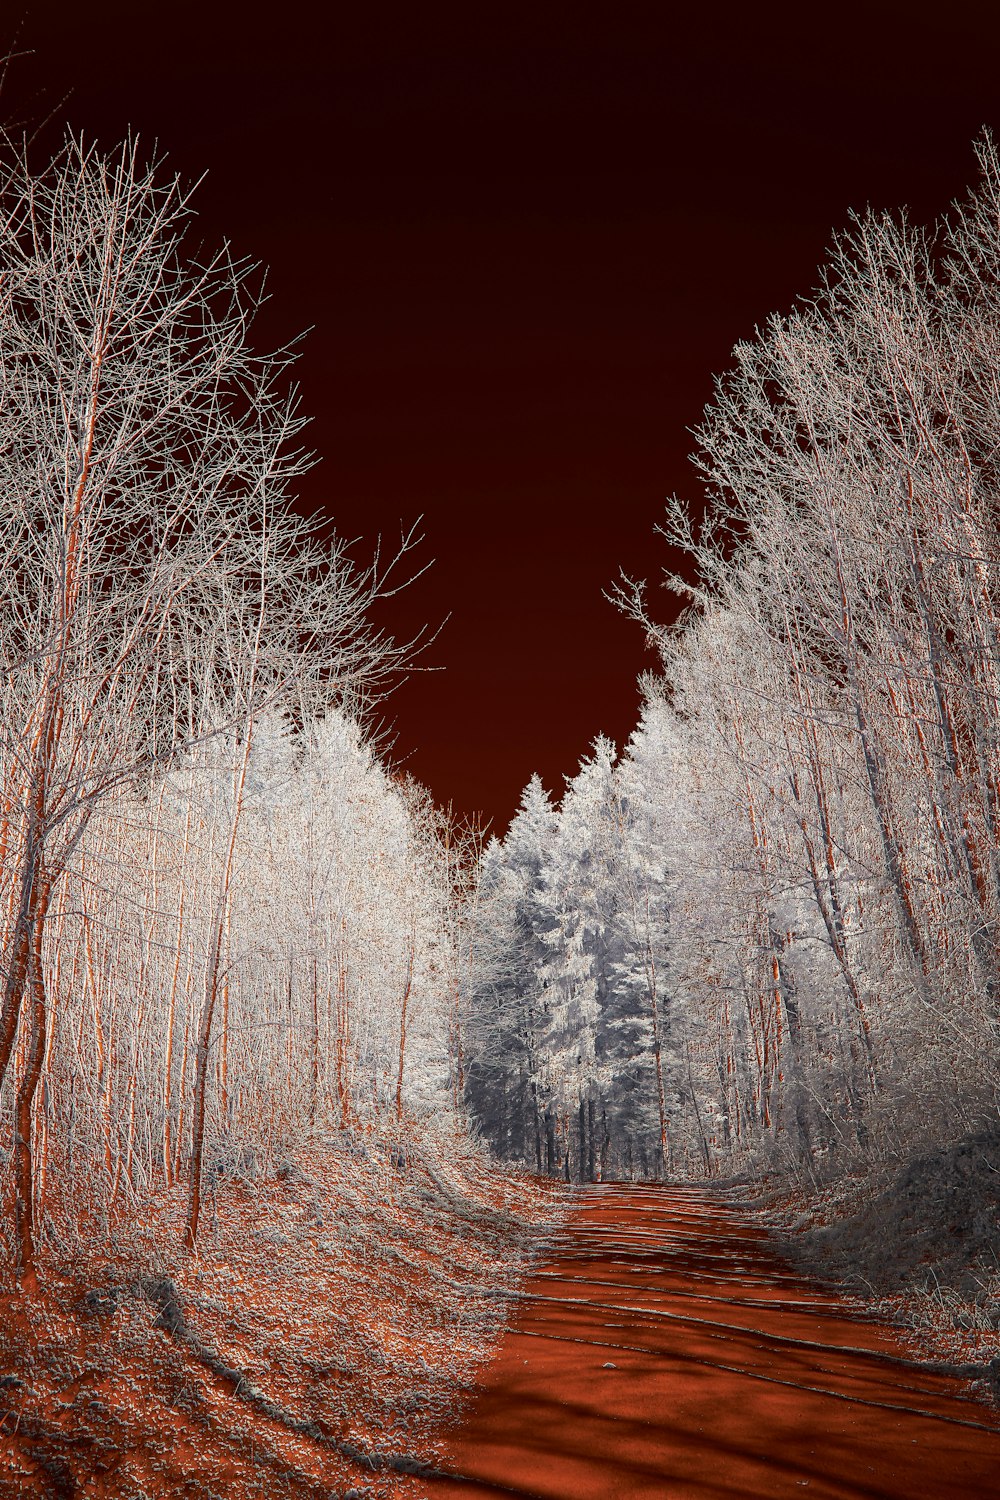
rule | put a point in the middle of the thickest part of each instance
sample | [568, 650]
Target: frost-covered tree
[338, 939]
[504, 1084]
[160, 600]
[835, 692]
[780, 909]
[579, 1069]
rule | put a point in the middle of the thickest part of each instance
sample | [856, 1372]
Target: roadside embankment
[337, 1310]
[919, 1243]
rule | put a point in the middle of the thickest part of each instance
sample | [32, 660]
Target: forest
[233, 937]
[258, 990]
[212, 887]
[765, 937]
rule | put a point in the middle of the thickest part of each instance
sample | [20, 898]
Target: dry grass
[918, 1243]
[957, 1327]
[323, 1340]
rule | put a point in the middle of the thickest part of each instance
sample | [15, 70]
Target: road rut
[664, 1350]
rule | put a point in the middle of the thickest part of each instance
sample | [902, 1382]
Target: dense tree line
[770, 931]
[222, 922]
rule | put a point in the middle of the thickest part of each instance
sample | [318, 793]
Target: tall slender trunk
[24, 1186]
[211, 993]
[29, 886]
[830, 908]
[403, 1019]
[654, 1010]
[314, 1042]
[343, 1033]
[706, 1155]
[891, 851]
[875, 775]
[200, 1088]
[583, 1138]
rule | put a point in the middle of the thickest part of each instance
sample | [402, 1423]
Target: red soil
[665, 1351]
[333, 1311]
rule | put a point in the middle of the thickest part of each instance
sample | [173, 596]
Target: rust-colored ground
[666, 1351]
[313, 1347]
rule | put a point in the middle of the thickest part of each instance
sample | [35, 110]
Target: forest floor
[665, 1349]
[338, 1312]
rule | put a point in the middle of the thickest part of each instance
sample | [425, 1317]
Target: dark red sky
[525, 239]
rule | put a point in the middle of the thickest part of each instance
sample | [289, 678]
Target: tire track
[619, 1390]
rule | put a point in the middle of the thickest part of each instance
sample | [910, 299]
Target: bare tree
[157, 590]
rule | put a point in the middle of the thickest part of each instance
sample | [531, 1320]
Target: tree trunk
[200, 1089]
[403, 1017]
[24, 1185]
[697, 1114]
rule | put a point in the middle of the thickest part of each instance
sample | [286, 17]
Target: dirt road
[665, 1351]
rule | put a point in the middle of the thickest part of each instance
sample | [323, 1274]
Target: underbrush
[337, 1311]
[917, 1240]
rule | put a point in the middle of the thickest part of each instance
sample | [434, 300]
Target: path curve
[666, 1351]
